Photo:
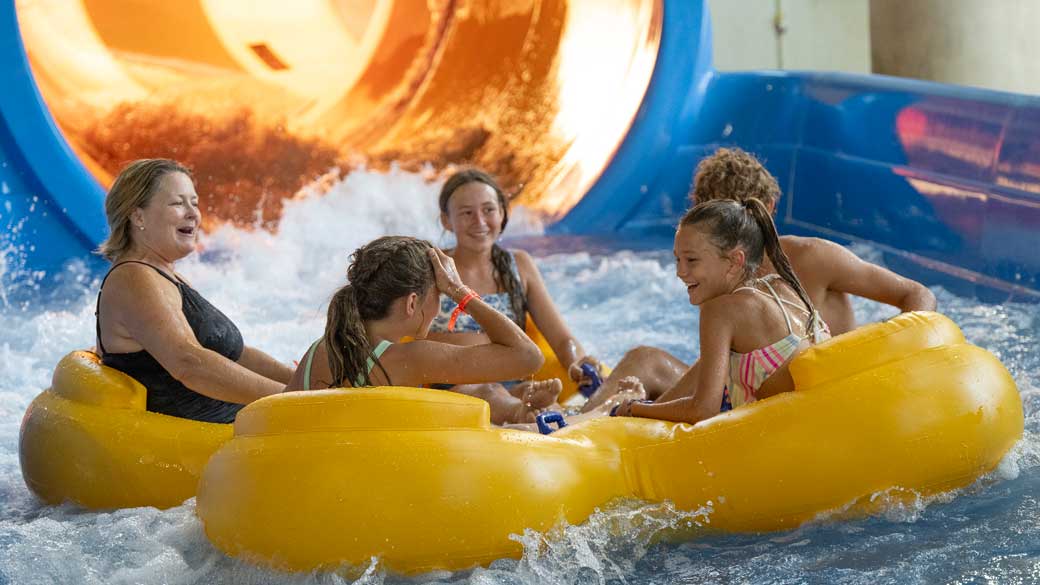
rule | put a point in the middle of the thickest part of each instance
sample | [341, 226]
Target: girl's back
[771, 325]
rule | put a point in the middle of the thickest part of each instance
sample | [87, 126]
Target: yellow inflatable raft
[551, 368]
[420, 479]
[88, 439]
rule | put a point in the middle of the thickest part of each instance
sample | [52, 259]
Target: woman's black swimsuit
[166, 395]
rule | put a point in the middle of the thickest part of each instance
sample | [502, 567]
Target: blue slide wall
[51, 208]
[944, 179]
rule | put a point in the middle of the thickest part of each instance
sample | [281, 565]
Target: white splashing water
[275, 287]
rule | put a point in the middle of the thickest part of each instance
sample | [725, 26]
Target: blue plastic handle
[547, 418]
[589, 388]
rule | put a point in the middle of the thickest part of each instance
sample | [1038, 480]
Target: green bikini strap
[307, 365]
[380, 348]
[371, 362]
[376, 354]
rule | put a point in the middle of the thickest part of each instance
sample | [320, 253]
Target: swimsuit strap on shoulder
[379, 350]
[779, 303]
[381, 347]
[815, 328]
[772, 292]
[813, 324]
[152, 266]
[754, 281]
[307, 365]
[97, 305]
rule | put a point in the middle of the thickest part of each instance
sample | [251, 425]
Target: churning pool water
[275, 286]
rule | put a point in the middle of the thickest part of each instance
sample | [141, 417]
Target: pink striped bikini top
[748, 371]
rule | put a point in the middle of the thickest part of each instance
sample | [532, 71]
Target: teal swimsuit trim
[360, 381]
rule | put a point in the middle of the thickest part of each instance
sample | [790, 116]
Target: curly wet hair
[733, 173]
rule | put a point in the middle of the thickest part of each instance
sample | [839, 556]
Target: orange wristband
[461, 308]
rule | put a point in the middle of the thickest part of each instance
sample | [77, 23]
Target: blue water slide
[52, 208]
[945, 180]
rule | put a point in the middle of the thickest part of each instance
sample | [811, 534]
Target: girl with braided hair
[474, 207]
[394, 289]
[750, 327]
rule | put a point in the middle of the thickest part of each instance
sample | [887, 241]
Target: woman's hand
[578, 376]
[447, 276]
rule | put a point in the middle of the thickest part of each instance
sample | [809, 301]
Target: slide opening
[262, 98]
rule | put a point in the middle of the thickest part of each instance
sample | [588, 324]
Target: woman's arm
[458, 337]
[707, 377]
[149, 308]
[851, 274]
[545, 314]
[259, 362]
[509, 354]
[549, 321]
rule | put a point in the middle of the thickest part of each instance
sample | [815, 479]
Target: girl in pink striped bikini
[750, 328]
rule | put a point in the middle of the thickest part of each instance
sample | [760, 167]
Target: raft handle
[589, 388]
[547, 418]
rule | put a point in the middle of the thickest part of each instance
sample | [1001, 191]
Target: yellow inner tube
[420, 479]
[552, 368]
[88, 439]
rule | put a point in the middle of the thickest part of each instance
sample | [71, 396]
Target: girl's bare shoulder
[733, 304]
[524, 261]
[810, 249]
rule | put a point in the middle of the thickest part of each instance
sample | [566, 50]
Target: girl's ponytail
[346, 342]
[771, 243]
[380, 272]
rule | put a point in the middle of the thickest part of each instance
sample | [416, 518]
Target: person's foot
[536, 397]
[629, 388]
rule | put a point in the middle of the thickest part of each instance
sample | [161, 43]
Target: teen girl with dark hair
[393, 293]
[830, 274]
[474, 207]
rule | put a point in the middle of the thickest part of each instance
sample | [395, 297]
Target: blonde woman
[151, 324]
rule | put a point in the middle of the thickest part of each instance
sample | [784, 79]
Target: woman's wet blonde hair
[133, 188]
